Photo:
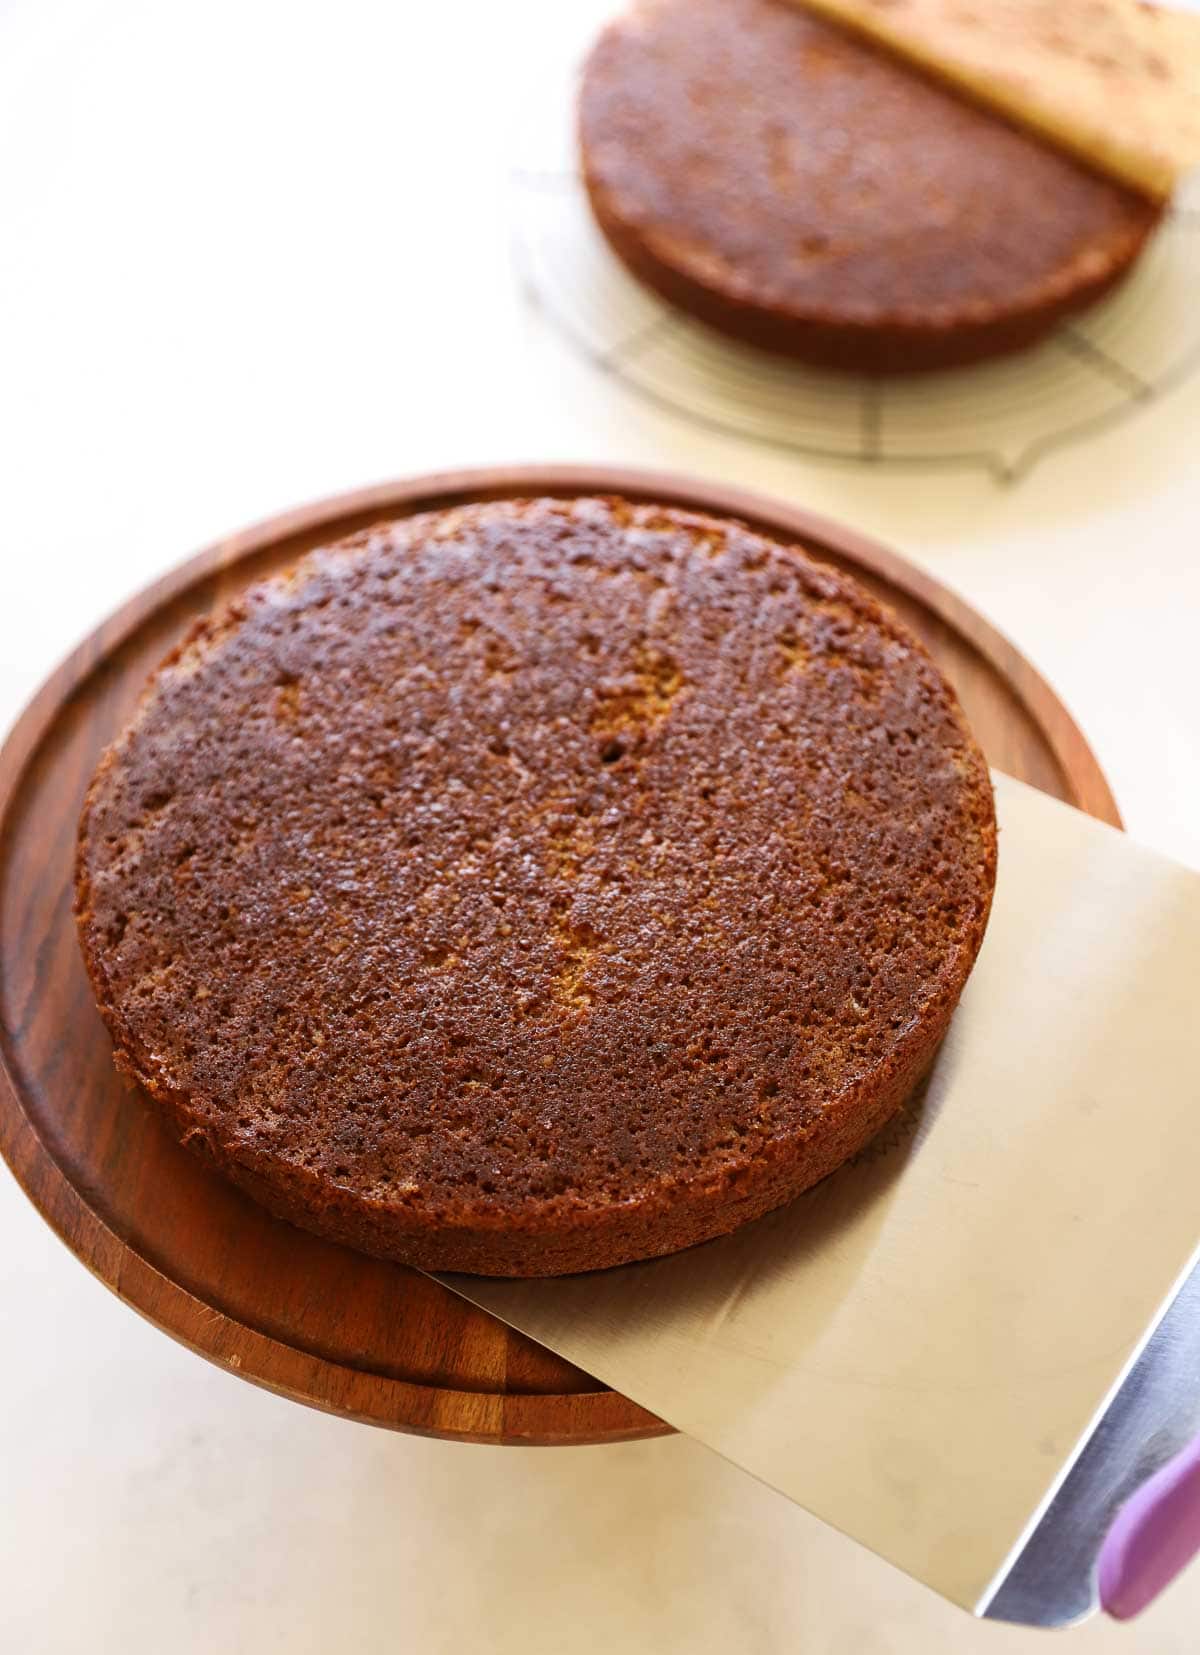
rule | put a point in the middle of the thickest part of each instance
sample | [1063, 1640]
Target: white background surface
[253, 254]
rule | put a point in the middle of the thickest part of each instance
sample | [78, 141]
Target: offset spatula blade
[917, 1350]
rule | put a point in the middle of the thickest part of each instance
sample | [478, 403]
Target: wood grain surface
[303, 1317]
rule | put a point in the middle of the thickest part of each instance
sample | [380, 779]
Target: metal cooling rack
[1002, 417]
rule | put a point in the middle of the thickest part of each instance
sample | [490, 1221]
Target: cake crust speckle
[536, 885]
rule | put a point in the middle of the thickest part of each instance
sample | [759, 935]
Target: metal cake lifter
[918, 1350]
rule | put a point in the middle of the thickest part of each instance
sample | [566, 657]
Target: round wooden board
[314, 1321]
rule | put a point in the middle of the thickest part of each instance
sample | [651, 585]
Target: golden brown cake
[804, 191]
[537, 885]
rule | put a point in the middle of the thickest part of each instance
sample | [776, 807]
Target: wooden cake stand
[311, 1320]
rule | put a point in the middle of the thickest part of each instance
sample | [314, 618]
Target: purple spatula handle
[1156, 1533]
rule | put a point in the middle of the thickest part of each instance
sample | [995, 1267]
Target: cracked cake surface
[536, 885]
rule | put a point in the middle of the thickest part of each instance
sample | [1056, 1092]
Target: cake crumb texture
[536, 885]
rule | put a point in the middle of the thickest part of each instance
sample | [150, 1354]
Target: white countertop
[256, 253]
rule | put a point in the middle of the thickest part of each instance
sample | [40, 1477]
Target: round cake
[799, 189]
[537, 885]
